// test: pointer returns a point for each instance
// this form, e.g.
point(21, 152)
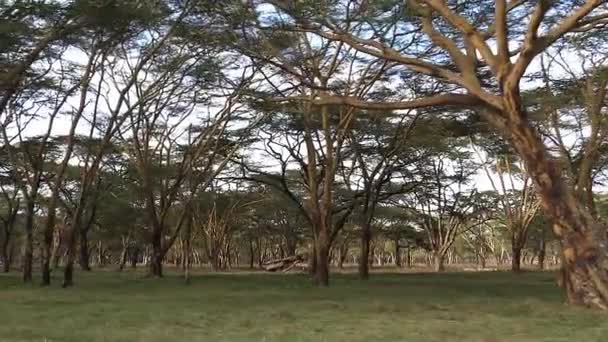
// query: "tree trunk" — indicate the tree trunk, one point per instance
point(84, 255)
point(11, 253)
point(134, 257)
point(343, 255)
point(100, 258)
point(583, 238)
point(366, 237)
point(397, 253)
point(438, 262)
point(187, 249)
point(6, 264)
point(516, 259)
point(251, 254)
point(56, 250)
point(68, 273)
point(123, 259)
point(28, 250)
point(321, 275)
point(312, 261)
point(541, 253)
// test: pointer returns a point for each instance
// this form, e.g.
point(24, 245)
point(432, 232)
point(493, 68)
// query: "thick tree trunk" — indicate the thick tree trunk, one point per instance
point(46, 266)
point(366, 237)
point(134, 257)
point(28, 248)
point(6, 265)
point(321, 275)
point(84, 256)
point(438, 262)
point(6, 262)
point(156, 263)
point(312, 261)
point(583, 238)
point(516, 259)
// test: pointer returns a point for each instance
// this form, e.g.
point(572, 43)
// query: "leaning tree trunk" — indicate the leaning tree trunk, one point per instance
point(123, 259)
point(583, 238)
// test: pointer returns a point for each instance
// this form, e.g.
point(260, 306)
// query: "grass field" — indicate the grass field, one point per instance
point(107, 306)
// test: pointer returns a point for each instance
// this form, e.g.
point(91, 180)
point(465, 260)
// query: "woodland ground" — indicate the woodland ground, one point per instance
point(109, 306)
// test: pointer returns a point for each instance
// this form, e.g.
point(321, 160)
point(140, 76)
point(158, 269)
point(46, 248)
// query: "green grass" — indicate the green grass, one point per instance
point(107, 306)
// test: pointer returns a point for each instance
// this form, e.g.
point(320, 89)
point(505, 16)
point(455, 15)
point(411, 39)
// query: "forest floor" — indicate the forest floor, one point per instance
point(483, 306)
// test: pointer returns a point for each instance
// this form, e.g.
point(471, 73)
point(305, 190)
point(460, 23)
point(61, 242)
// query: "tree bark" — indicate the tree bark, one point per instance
point(583, 238)
point(251, 254)
point(397, 253)
point(516, 259)
point(312, 261)
point(28, 250)
point(366, 237)
point(56, 251)
point(438, 262)
point(321, 274)
point(6, 266)
point(343, 255)
point(541, 253)
point(84, 256)
point(6, 262)
point(68, 272)
point(156, 260)
point(100, 258)
point(123, 259)
point(134, 256)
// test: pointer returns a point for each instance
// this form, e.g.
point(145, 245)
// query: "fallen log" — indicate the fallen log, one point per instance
point(284, 264)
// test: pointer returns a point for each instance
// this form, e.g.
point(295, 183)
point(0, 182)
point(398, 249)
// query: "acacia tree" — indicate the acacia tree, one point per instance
point(455, 45)
point(519, 206)
point(381, 155)
point(297, 66)
point(446, 208)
